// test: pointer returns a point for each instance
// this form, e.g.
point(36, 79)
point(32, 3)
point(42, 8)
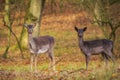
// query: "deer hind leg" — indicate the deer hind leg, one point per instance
point(105, 58)
point(110, 55)
point(52, 61)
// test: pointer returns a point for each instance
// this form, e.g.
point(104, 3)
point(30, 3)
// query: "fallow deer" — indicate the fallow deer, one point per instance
point(94, 47)
point(38, 45)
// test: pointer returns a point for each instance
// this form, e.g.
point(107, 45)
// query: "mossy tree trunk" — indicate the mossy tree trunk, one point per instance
point(100, 10)
point(7, 23)
point(33, 15)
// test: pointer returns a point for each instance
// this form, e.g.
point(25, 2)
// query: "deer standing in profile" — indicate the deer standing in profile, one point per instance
point(38, 45)
point(94, 47)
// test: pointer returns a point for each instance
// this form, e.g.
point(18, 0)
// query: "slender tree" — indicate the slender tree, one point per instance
point(100, 10)
point(7, 23)
point(33, 15)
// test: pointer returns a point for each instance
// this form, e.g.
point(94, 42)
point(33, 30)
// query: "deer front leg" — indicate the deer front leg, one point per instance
point(87, 61)
point(31, 63)
point(35, 65)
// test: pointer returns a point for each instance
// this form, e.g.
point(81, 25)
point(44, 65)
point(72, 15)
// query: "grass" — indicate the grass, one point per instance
point(67, 70)
point(71, 62)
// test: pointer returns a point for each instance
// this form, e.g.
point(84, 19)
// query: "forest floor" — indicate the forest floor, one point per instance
point(70, 62)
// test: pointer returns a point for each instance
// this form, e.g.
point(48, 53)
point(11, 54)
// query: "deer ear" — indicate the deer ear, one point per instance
point(25, 25)
point(85, 28)
point(76, 29)
point(34, 24)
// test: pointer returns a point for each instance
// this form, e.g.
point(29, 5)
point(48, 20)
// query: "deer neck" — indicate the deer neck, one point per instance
point(81, 42)
point(30, 38)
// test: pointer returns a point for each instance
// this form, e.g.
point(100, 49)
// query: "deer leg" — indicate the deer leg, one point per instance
point(31, 63)
point(35, 65)
point(105, 58)
point(52, 62)
point(111, 56)
point(87, 61)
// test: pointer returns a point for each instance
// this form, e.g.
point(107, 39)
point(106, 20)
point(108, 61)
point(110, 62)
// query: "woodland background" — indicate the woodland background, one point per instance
point(58, 18)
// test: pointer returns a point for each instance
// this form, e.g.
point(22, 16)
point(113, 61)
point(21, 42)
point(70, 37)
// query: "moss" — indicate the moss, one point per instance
point(30, 18)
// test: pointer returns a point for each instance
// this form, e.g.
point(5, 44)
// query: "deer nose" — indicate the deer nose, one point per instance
point(80, 35)
point(30, 31)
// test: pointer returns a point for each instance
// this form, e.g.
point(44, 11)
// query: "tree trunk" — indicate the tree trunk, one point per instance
point(100, 16)
point(33, 15)
point(7, 23)
point(98, 11)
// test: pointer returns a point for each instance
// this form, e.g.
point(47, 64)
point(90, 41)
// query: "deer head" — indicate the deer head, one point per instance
point(80, 31)
point(30, 27)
